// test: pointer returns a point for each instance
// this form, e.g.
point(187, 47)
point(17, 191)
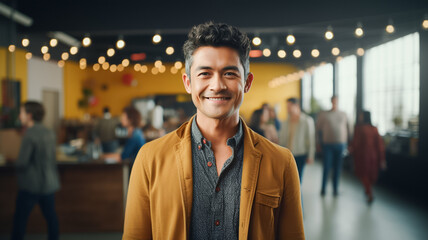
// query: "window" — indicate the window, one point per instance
point(306, 92)
point(391, 82)
point(323, 86)
point(347, 86)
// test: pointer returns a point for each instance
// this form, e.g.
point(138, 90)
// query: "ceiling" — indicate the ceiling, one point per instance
point(138, 21)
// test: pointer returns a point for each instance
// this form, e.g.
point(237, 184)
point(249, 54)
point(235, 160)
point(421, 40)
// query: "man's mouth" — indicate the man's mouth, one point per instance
point(217, 98)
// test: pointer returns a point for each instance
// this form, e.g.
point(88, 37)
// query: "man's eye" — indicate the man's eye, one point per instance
point(231, 74)
point(203, 74)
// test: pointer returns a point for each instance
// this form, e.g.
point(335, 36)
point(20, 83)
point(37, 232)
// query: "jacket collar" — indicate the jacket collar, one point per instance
point(250, 173)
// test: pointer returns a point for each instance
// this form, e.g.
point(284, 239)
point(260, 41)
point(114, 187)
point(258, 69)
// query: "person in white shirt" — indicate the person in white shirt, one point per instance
point(298, 134)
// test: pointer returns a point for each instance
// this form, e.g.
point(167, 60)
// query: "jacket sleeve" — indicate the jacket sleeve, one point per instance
point(290, 225)
point(25, 152)
point(137, 214)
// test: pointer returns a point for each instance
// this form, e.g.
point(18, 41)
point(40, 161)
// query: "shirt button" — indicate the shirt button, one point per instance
point(199, 147)
point(217, 222)
point(204, 141)
point(217, 189)
point(209, 164)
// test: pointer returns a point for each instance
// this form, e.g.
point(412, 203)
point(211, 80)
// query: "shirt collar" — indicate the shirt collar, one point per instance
point(198, 138)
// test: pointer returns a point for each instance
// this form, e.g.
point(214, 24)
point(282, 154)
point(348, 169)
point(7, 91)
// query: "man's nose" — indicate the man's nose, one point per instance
point(217, 83)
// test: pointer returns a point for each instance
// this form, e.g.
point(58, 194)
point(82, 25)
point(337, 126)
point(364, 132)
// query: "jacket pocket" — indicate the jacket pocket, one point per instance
point(270, 200)
point(262, 224)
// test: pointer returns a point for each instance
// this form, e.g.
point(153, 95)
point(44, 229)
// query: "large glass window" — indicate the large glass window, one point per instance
point(306, 92)
point(347, 86)
point(323, 86)
point(391, 82)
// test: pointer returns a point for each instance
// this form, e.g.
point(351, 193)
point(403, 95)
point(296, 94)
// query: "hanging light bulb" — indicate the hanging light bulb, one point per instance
point(96, 67)
point(315, 53)
point(155, 71)
point(291, 39)
point(11, 48)
point(113, 68)
point(267, 52)
point(158, 63)
point(335, 51)
point(157, 39)
point(169, 50)
point(360, 52)
point(28, 55)
point(425, 24)
point(25, 42)
point(257, 41)
point(53, 42)
point(120, 68)
point(359, 32)
point(178, 65)
point(174, 70)
point(44, 49)
point(46, 56)
point(101, 60)
point(137, 67)
point(390, 27)
point(64, 56)
point(110, 52)
point(120, 43)
point(61, 63)
point(329, 33)
point(144, 69)
point(86, 41)
point(125, 62)
point(82, 61)
point(297, 53)
point(282, 53)
point(105, 65)
point(74, 50)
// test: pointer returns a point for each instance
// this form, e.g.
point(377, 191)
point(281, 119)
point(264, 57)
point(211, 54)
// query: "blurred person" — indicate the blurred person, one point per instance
point(37, 172)
point(368, 151)
point(105, 132)
point(273, 119)
point(214, 177)
point(332, 128)
point(130, 119)
point(259, 124)
point(298, 134)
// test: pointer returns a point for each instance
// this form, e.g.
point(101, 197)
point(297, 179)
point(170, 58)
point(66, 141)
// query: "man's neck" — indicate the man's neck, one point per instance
point(217, 130)
point(29, 124)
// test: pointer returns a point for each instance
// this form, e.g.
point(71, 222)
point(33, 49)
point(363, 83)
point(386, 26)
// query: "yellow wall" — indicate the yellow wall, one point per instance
point(118, 95)
point(21, 72)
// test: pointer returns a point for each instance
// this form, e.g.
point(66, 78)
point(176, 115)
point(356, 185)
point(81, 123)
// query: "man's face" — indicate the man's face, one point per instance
point(24, 117)
point(217, 82)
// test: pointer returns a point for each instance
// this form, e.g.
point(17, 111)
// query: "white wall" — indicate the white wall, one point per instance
point(44, 75)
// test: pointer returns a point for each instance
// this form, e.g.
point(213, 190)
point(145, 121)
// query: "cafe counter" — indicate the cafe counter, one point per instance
point(91, 199)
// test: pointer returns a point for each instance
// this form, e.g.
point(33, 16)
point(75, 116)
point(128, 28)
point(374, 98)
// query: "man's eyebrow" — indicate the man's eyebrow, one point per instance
point(203, 67)
point(235, 68)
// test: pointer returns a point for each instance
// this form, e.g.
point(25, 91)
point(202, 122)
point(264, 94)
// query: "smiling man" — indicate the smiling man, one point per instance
point(214, 178)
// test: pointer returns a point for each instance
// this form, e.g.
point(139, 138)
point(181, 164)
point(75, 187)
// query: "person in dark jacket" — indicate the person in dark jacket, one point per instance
point(37, 172)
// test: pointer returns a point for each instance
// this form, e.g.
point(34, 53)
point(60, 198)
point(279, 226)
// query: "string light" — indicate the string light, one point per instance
point(110, 52)
point(169, 50)
point(359, 32)
point(297, 53)
point(174, 70)
point(120, 68)
point(120, 43)
point(390, 28)
point(105, 65)
point(125, 62)
point(11, 48)
point(162, 69)
point(28, 55)
point(46, 56)
point(282, 53)
point(266, 52)
point(291, 39)
point(96, 67)
point(335, 51)
point(53, 42)
point(315, 53)
point(137, 67)
point(61, 63)
point(158, 63)
point(157, 39)
point(87, 42)
point(113, 68)
point(178, 65)
point(257, 41)
point(360, 52)
point(329, 33)
point(155, 71)
point(83, 67)
point(425, 24)
point(74, 50)
point(44, 49)
point(64, 56)
point(25, 42)
point(101, 60)
point(82, 61)
point(144, 69)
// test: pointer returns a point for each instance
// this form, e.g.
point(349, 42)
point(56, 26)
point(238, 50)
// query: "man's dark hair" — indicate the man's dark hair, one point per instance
point(217, 35)
point(36, 110)
point(367, 119)
point(133, 116)
point(293, 100)
point(106, 109)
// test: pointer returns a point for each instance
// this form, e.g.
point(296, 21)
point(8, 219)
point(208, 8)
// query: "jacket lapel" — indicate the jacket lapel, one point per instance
point(183, 156)
point(250, 174)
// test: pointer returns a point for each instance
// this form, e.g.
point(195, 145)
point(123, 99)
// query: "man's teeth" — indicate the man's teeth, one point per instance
point(217, 98)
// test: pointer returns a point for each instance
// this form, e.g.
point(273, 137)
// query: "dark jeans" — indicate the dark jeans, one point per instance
point(24, 205)
point(301, 162)
point(333, 157)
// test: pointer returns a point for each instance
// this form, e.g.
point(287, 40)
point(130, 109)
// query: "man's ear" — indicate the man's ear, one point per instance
point(248, 82)
point(186, 82)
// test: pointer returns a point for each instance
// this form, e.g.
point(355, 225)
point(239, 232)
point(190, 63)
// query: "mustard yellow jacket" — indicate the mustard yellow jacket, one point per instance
point(159, 201)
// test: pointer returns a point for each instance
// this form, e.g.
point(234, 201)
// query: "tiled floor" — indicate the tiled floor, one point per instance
point(346, 217)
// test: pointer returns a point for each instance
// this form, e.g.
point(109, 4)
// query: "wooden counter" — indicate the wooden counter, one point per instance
point(91, 198)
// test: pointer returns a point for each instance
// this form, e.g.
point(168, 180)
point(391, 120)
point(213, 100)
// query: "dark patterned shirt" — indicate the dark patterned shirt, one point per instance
point(216, 199)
